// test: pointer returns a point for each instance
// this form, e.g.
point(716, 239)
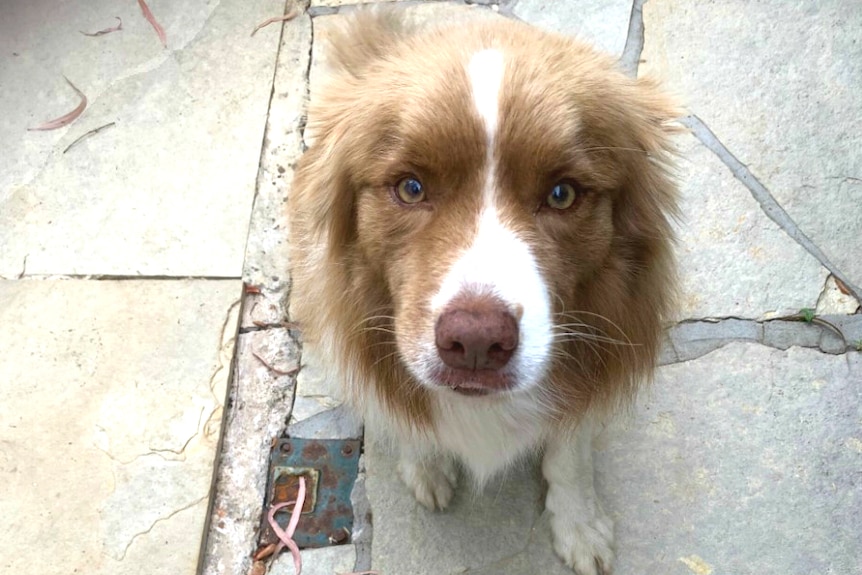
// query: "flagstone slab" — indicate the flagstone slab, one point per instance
point(162, 190)
point(780, 88)
point(111, 402)
point(734, 261)
point(602, 23)
point(744, 460)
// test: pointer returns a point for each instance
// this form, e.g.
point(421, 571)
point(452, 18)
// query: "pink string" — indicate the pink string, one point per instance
point(286, 536)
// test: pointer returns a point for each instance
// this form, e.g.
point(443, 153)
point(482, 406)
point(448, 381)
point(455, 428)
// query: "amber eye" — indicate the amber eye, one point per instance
point(410, 190)
point(562, 195)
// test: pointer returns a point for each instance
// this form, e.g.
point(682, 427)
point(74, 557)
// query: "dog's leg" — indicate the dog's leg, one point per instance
point(583, 534)
point(430, 476)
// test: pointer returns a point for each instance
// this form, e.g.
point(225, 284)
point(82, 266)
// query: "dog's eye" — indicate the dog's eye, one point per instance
point(410, 191)
point(563, 195)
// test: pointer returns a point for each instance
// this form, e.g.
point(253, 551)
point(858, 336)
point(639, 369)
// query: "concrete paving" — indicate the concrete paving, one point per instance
point(122, 261)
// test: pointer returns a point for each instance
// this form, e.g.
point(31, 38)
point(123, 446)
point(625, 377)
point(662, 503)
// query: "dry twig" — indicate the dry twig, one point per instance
point(116, 28)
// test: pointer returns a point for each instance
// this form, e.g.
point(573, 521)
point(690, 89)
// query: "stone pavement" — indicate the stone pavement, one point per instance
point(122, 260)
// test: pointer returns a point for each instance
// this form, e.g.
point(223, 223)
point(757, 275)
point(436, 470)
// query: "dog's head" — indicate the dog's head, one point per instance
point(493, 203)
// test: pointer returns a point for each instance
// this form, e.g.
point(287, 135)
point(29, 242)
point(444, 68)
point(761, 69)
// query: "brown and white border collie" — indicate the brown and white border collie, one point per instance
point(482, 249)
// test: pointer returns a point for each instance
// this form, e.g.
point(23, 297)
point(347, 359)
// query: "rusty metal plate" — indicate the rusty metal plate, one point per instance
point(329, 467)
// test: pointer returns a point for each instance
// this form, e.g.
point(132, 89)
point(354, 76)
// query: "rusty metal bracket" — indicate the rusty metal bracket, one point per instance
point(330, 467)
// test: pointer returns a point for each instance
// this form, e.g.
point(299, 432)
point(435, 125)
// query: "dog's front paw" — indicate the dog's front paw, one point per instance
point(431, 480)
point(585, 546)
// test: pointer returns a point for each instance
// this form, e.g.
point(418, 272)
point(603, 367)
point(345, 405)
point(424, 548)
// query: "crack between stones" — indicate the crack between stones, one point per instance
point(760, 339)
point(631, 56)
point(761, 194)
point(160, 520)
point(264, 136)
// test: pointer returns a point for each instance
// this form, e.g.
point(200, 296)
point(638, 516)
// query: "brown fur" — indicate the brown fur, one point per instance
point(399, 103)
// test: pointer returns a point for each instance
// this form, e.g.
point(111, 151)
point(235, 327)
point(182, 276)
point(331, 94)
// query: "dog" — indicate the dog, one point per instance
point(481, 240)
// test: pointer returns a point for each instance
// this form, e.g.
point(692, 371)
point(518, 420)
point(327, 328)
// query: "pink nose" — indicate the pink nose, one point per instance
point(476, 334)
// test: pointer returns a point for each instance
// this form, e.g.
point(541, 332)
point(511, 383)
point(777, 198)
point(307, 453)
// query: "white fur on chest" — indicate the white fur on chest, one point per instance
point(487, 435)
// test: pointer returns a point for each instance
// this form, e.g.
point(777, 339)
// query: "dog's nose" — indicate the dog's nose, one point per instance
point(476, 334)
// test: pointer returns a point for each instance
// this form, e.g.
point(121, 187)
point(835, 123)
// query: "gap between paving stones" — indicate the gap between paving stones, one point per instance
point(693, 338)
point(630, 59)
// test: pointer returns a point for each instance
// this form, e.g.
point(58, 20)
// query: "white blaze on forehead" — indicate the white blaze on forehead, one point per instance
point(501, 264)
point(486, 76)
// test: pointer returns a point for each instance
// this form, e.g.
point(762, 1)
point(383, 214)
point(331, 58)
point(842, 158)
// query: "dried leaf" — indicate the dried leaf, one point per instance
point(116, 28)
point(65, 119)
point(152, 20)
point(289, 16)
point(264, 551)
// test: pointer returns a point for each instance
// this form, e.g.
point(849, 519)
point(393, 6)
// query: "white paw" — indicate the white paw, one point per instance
point(585, 546)
point(432, 481)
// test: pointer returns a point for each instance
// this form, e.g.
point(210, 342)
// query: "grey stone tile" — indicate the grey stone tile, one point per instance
point(779, 87)
point(602, 23)
point(161, 192)
point(480, 530)
point(744, 460)
point(336, 423)
point(734, 261)
point(323, 561)
point(112, 411)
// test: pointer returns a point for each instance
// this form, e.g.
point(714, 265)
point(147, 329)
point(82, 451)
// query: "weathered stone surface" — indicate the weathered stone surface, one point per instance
point(111, 417)
point(489, 530)
point(323, 561)
point(745, 460)
point(779, 87)
point(260, 401)
point(735, 261)
point(834, 301)
point(363, 527)
point(159, 193)
point(266, 257)
point(602, 23)
point(336, 423)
